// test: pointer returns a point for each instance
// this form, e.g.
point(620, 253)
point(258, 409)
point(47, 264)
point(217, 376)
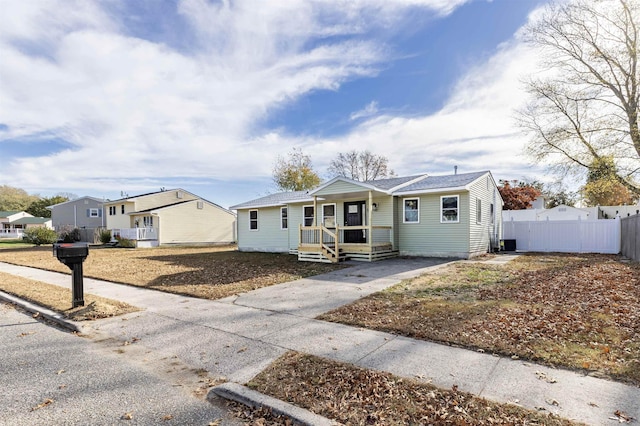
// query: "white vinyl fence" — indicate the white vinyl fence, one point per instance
point(566, 236)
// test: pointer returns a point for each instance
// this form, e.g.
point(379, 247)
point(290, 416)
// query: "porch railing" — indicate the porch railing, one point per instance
point(11, 233)
point(367, 235)
point(137, 234)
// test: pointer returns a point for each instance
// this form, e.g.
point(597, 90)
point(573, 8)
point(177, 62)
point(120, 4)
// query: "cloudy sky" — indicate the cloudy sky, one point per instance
point(99, 97)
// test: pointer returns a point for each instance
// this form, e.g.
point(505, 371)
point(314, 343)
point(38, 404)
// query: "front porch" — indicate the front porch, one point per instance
point(143, 237)
point(332, 245)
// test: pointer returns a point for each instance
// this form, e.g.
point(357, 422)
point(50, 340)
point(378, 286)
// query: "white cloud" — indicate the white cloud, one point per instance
point(136, 111)
point(370, 109)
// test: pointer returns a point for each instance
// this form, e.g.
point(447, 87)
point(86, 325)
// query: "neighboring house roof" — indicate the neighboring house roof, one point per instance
point(162, 207)
point(133, 199)
point(97, 200)
point(9, 213)
point(31, 221)
point(393, 186)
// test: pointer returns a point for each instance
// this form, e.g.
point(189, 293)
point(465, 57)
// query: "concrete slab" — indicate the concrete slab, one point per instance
point(222, 354)
point(239, 320)
point(441, 365)
point(568, 394)
point(329, 340)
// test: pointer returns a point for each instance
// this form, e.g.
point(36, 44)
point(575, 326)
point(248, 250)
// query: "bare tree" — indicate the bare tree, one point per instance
point(584, 107)
point(361, 166)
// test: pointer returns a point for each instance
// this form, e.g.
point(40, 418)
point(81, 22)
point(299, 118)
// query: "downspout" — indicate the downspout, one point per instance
point(75, 216)
point(370, 220)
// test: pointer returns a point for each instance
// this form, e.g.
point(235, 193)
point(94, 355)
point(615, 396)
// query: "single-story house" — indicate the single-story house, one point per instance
point(171, 216)
point(457, 215)
point(84, 212)
point(13, 223)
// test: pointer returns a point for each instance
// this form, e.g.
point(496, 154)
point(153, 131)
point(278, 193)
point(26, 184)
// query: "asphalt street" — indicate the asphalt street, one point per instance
point(53, 377)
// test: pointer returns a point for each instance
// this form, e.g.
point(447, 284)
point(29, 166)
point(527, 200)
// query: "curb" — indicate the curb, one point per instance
point(251, 398)
point(46, 313)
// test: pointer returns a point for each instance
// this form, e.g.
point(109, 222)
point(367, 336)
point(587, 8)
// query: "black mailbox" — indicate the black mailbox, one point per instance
point(72, 255)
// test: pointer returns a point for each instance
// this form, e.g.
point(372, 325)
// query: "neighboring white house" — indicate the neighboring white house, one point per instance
point(13, 223)
point(171, 216)
point(563, 212)
point(445, 216)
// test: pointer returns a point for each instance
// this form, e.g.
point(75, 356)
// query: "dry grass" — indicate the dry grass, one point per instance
point(205, 272)
point(356, 396)
point(575, 311)
point(59, 299)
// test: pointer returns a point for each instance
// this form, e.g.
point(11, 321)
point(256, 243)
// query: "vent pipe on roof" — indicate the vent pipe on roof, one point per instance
point(455, 170)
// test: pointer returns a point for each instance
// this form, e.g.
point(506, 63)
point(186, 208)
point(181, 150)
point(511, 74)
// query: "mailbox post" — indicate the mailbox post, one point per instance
point(72, 255)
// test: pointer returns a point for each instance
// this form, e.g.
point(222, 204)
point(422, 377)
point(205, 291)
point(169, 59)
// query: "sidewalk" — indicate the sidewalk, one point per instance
point(237, 337)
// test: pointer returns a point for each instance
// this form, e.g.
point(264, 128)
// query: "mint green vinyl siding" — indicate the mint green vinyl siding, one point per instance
point(268, 237)
point(481, 234)
point(340, 187)
point(429, 237)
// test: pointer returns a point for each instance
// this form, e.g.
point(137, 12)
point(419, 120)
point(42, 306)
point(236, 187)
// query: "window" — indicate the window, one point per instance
point(307, 212)
point(449, 208)
point(112, 210)
point(147, 221)
point(122, 208)
point(492, 213)
point(93, 212)
point(329, 215)
point(411, 210)
point(284, 218)
point(253, 220)
point(478, 210)
point(200, 204)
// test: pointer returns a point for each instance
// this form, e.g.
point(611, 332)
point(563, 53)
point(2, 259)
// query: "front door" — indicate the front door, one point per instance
point(353, 216)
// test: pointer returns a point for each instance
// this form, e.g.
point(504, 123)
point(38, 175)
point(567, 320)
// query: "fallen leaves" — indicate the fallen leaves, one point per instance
point(43, 404)
point(127, 416)
point(543, 376)
point(622, 417)
point(352, 395)
point(578, 311)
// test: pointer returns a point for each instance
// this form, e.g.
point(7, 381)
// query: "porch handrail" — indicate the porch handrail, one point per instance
point(332, 238)
point(315, 234)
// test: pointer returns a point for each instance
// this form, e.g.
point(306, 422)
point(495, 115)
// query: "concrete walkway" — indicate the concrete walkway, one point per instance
point(238, 336)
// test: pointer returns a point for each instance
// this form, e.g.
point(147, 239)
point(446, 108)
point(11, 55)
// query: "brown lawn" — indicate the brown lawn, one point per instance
point(575, 311)
point(205, 272)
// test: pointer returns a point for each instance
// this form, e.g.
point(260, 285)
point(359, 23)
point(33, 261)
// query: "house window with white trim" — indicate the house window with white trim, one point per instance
point(112, 210)
point(284, 218)
point(253, 220)
point(148, 221)
point(449, 209)
point(93, 212)
point(411, 210)
point(307, 213)
point(478, 210)
point(122, 208)
point(329, 215)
